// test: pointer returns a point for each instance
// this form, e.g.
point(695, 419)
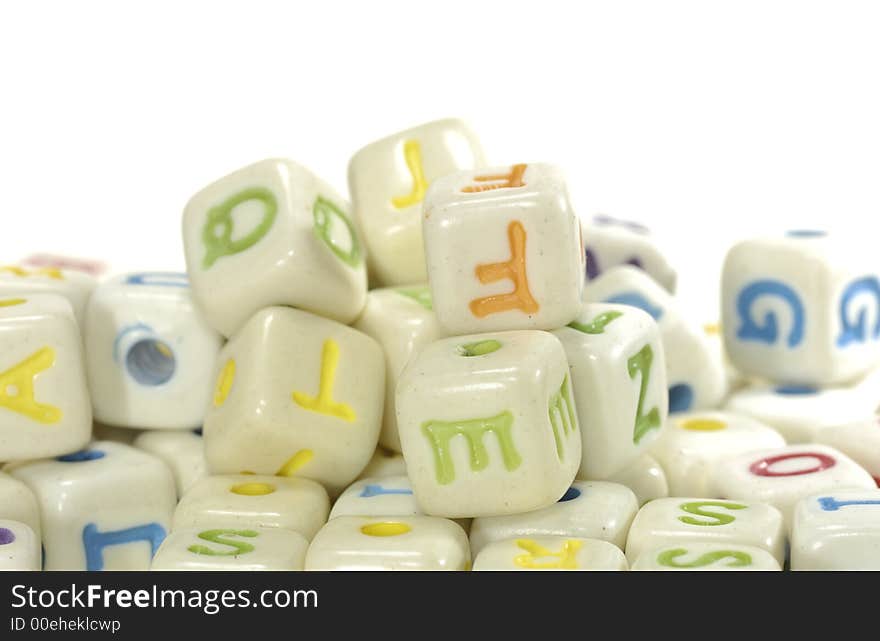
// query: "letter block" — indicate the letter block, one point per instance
point(149, 353)
point(504, 250)
point(590, 510)
point(402, 321)
point(618, 375)
point(645, 477)
point(837, 530)
point(692, 556)
point(384, 463)
point(488, 424)
point(231, 549)
point(296, 394)
point(23, 282)
point(250, 500)
point(18, 503)
point(694, 371)
point(107, 507)
point(44, 399)
point(611, 242)
point(784, 475)
point(693, 443)
point(550, 553)
point(801, 413)
point(387, 496)
point(681, 521)
point(388, 180)
point(269, 234)
point(801, 309)
point(392, 543)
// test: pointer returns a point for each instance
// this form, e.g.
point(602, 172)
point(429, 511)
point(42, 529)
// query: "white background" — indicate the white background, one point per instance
point(708, 121)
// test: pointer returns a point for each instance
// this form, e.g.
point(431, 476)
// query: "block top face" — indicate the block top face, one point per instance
point(840, 509)
point(388, 496)
point(553, 553)
point(149, 284)
point(805, 247)
point(43, 278)
point(407, 304)
point(712, 557)
point(627, 285)
point(468, 360)
point(524, 186)
point(608, 327)
point(719, 430)
point(418, 156)
point(28, 308)
point(101, 461)
point(263, 206)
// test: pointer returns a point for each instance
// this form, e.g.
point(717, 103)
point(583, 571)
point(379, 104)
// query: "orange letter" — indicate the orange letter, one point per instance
point(515, 270)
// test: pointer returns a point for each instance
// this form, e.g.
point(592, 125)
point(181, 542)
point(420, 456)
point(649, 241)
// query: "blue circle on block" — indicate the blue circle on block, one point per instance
point(806, 233)
point(796, 390)
point(570, 494)
point(681, 398)
point(81, 456)
point(7, 536)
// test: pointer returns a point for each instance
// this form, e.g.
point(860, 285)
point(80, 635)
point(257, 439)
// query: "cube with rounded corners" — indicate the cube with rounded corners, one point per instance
point(19, 547)
point(504, 250)
point(296, 394)
point(691, 556)
point(388, 180)
point(25, 281)
point(488, 424)
point(272, 233)
point(530, 553)
point(231, 549)
point(182, 451)
point(149, 351)
point(44, 398)
point(107, 507)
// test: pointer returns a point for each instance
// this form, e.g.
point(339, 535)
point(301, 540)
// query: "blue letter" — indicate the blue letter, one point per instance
point(635, 299)
point(768, 332)
point(857, 332)
point(95, 542)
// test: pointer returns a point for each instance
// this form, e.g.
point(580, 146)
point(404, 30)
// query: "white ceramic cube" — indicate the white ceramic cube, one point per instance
point(837, 530)
point(388, 180)
point(679, 521)
point(859, 440)
point(402, 321)
point(19, 547)
point(609, 242)
point(269, 234)
point(296, 394)
point(182, 451)
point(393, 543)
point(44, 400)
point(23, 282)
point(589, 510)
point(782, 476)
point(645, 477)
point(694, 442)
point(231, 549)
point(549, 553)
point(384, 463)
point(386, 496)
point(244, 500)
point(107, 507)
point(801, 412)
point(618, 377)
point(801, 309)
point(488, 424)
point(694, 371)
point(149, 353)
point(18, 503)
point(694, 556)
point(504, 250)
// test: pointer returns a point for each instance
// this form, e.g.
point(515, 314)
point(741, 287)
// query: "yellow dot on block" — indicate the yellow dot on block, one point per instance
point(391, 528)
point(224, 383)
point(295, 462)
point(252, 489)
point(712, 328)
point(9, 302)
point(702, 425)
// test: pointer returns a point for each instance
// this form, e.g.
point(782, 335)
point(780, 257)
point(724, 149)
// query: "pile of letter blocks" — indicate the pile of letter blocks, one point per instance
point(452, 371)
